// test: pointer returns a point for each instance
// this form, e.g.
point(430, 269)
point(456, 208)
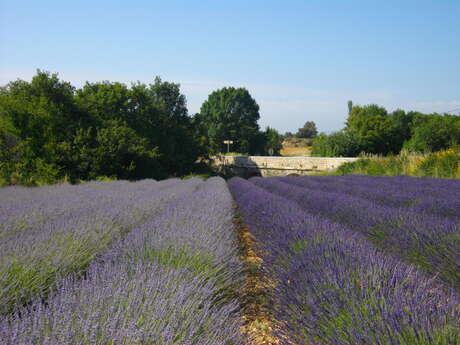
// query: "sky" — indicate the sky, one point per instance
point(300, 60)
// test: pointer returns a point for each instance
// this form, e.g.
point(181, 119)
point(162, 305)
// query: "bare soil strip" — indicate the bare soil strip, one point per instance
point(258, 323)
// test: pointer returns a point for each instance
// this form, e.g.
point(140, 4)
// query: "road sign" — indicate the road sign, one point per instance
point(228, 142)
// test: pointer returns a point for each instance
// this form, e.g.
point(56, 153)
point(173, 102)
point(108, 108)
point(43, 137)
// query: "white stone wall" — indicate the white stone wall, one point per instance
point(284, 163)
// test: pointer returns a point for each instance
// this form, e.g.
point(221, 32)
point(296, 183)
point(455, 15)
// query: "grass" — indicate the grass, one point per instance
point(442, 164)
point(203, 176)
point(295, 151)
point(236, 154)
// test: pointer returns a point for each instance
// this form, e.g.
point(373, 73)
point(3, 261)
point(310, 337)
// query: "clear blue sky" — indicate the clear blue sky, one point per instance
point(301, 60)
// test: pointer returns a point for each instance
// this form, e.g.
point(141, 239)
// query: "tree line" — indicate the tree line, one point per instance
point(51, 130)
point(372, 129)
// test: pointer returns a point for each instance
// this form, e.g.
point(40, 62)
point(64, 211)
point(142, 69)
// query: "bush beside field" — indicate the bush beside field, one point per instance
point(442, 164)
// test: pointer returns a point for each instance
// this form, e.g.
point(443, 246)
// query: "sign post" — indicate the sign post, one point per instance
point(228, 142)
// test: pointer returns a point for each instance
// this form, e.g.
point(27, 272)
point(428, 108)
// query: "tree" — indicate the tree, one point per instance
point(228, 114)
point(156, 112)
point(9, 148)
point(121, 152)
point(114, 150)
point(350, 107)
point(105, 101)
point(172, 129)
point(259, 144)
point(41, 114)
point(373, 128)
point(337, 144)
point(308, 130)
point(49, 130)
point(434, 132)
point(402, 128)
point(273, 141)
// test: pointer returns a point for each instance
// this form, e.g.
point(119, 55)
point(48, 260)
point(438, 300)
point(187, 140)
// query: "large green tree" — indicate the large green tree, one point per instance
point(273, 140)
point(171, 128)
point(156, 112)
point(44, 115)
point(337, 144)
point(229, 114)
point(49, 130)
point(434, 132)
point(402, 123)
point(308, 130)
point(373, 128)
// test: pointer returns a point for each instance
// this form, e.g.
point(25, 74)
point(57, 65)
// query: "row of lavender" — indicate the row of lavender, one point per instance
point(331, 285)
point(120, 263)
point(429, 241)
point(49, 232)
point(424, 195)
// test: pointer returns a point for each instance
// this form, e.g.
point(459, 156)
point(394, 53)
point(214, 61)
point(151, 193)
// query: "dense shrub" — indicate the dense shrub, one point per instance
point(443, 164)
point(434, 132)
point(50, 131)
point(337, 144)
point(371, 129)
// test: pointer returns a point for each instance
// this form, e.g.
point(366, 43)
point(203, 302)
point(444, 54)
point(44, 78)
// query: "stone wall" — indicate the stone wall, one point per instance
point(277, 166)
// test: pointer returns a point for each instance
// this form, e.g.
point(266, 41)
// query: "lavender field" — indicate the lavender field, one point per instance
point(358, 260)
point(120, 263)
point(353, 260)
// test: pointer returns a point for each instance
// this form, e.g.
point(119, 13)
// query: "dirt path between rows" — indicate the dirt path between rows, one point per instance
point(258, 323)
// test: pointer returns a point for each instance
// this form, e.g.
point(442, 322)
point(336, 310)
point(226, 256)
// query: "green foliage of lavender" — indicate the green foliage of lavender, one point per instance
point(332, 286)
point(171, 278)
point(50, 232)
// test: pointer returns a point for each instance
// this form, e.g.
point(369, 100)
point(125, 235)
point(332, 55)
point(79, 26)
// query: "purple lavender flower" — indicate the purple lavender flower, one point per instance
point(171, 279)
point(429, 241)
point(332, 286)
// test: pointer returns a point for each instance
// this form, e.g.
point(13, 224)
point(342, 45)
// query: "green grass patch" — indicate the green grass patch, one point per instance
point(442, 164)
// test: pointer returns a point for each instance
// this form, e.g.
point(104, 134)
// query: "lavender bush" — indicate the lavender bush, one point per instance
point(333, 287)
point(69, 234)
point(173, 279)
point(428, 241)
point(417, 194)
